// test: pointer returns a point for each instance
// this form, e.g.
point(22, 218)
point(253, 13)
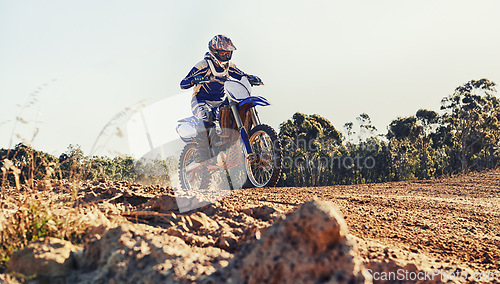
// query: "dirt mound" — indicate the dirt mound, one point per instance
point(310, 245)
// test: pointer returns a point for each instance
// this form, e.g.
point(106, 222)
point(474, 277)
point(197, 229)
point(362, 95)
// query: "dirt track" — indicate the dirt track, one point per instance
point(449, 224)
point(455, 221)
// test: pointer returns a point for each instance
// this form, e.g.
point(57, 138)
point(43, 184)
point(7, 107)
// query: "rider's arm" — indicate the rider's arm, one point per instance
point(199, 69)
point(187, 82)
point(237, 74)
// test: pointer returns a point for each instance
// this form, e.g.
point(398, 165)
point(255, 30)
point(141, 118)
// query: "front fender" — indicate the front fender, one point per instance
point(255, 100)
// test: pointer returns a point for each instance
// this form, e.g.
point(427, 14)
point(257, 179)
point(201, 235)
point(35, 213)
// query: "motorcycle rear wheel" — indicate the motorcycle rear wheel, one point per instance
point(197, 178)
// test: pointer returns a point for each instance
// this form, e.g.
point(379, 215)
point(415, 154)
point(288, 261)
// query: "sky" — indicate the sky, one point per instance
point(77, 72)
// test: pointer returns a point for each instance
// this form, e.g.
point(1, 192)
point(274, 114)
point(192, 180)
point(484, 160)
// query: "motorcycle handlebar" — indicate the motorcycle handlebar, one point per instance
point(224, 79)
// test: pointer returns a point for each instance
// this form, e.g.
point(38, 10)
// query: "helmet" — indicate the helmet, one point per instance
point(221, 48)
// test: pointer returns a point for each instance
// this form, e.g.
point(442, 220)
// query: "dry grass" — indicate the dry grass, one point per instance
point(49, 208)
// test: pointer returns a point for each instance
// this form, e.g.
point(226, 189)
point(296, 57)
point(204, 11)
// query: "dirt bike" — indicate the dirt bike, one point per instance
point(243, 151)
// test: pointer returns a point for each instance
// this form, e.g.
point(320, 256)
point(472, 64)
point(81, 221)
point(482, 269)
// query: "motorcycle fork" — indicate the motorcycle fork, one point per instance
point(211, 133)
point(254, 116)
point(241, 128)
point(256, 121)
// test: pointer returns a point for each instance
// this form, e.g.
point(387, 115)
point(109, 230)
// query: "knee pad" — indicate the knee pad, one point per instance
point(203, 112)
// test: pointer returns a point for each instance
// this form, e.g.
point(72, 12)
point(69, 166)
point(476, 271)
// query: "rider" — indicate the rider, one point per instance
point(208, 93)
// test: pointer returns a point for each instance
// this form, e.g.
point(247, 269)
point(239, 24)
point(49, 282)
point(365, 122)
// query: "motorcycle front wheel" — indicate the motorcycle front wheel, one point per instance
point(264, 165)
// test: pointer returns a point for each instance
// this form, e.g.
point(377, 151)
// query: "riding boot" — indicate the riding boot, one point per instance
point(203, 145)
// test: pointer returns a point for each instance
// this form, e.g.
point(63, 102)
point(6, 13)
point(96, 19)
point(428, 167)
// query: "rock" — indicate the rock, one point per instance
point(227, 241)
point(264, 213)
point(7, 279)
point(201, 221)
point(188, 203)
point(309, 246)
point(43, 184)
point(49, 257)
point(126, 255)
point(163, 204)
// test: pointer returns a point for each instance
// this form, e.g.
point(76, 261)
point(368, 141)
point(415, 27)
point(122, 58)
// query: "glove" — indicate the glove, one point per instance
point(254, 80)
point(199, 79)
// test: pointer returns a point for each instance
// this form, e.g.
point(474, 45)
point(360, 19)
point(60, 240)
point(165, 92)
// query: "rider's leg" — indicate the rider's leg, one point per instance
point(204, 113)
point(203, 144)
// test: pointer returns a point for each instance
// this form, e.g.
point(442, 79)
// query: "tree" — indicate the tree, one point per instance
point(308, 141)
point(33, 164)
point(471, 113)
point(366, 129)
point(71, 162)
point(403, 134)
point(363, 143)
point(426, 119)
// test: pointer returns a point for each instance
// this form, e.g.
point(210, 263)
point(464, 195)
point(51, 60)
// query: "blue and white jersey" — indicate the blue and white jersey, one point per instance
point(213, 90)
